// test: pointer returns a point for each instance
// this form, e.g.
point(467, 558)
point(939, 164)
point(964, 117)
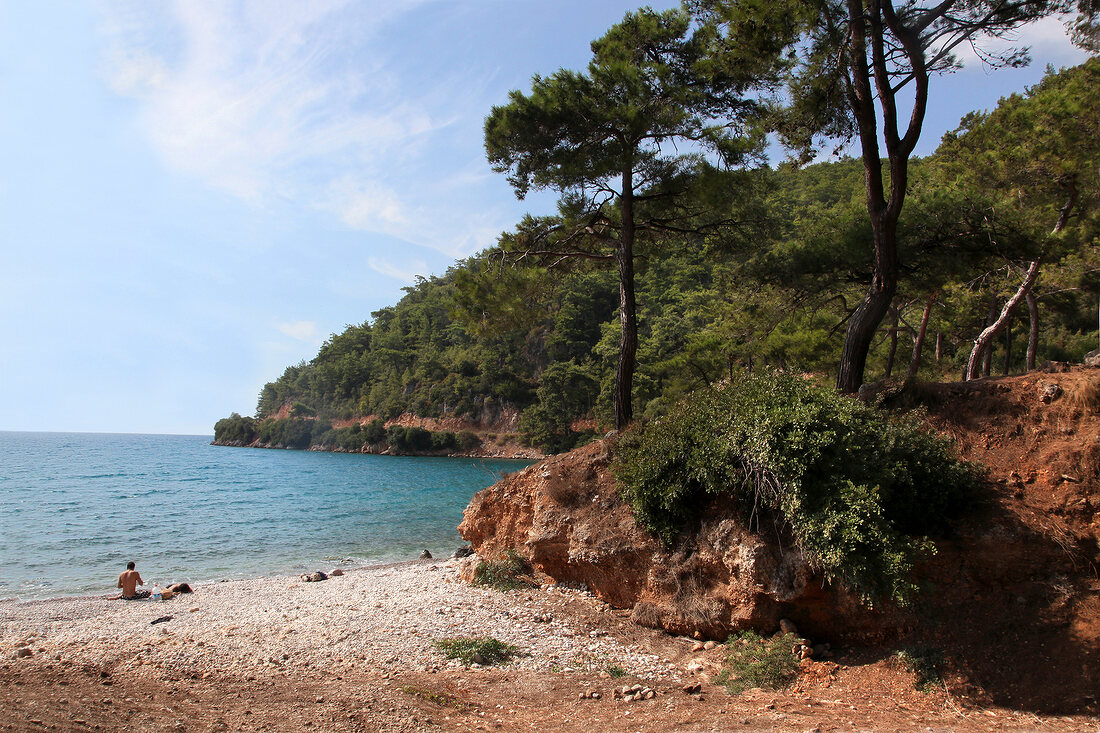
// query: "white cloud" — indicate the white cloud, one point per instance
point(366, 205)
point(1045, 38)
point(300, 330)
point(406, 274)
point(299, 102)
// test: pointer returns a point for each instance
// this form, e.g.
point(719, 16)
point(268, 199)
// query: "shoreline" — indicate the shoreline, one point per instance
point(387, 616)
point(358, 652)
point(505, 454)
point(206, 583)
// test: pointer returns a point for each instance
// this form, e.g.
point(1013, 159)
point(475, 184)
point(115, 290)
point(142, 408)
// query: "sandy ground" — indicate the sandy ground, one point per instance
point(358, 653)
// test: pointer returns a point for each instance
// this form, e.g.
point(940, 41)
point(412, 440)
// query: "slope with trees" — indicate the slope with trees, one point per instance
point(503, 338)
point(855, 68)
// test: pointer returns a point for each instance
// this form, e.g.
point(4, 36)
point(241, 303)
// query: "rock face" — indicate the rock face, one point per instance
point(1019, 570)
point(565, 516)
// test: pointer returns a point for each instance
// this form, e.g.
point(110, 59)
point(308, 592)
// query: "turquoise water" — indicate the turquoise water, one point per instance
point(74, 507)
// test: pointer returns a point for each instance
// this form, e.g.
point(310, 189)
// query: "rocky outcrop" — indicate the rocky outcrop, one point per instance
point(565, 516)
point(1021, 572)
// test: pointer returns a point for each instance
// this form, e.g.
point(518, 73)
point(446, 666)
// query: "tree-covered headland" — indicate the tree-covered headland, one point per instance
point(678, 257)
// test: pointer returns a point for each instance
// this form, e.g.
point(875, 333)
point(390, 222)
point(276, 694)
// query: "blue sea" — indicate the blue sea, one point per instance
point(75, 507)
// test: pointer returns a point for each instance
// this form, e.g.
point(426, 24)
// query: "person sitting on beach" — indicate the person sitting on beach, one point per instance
point(129, 581)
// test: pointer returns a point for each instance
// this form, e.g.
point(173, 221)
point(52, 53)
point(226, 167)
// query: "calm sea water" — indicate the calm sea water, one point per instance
point(74, 507)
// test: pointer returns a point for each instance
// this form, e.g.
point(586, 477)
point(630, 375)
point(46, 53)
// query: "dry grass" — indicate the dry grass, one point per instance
point(1086, 396)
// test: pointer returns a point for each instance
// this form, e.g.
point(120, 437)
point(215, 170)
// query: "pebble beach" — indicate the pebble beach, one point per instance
point(358, 652)
point(387, 618)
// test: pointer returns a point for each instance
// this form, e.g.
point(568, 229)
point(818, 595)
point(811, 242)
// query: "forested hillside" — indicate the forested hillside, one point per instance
point(768, 276)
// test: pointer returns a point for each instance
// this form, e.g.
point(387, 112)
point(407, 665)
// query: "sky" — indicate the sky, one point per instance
point(195, 194)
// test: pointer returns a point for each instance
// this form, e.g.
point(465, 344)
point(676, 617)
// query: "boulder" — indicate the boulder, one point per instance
point(425, 555)
point(1049, 391)
point(1092, 358)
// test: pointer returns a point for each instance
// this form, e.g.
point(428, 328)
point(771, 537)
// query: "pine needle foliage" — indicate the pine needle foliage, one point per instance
point(860, 491)
point(758, 662)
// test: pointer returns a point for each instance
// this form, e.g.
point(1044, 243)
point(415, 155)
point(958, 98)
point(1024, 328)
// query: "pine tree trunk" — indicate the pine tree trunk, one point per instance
point(918, 343)
point(1033, 329)
point(628, 318)
point(984, 339)
point(869, 313)
point(987, 355)
point(982, 350)
point(893, 341)
point(1008, 346)
point(939, 346)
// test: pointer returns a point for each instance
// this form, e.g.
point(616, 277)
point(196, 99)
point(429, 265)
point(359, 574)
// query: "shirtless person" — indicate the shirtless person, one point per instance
point(129, 581)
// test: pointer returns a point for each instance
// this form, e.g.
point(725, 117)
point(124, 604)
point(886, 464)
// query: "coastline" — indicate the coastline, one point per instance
point(357, 652)
point(202, 583)
point(387, 616)
point(507, 453)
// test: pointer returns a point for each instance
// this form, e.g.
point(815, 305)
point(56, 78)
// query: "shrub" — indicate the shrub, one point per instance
point(408, 440)
point(349, 438)
point(758, 662)
point(301, 409)
point(858, 491)
point(923, 661)
point(443, 440)
point(467, 440)
point(477, 651)
point(235, 429)
point(503, 574)
point(289, 433)
point(374, 432)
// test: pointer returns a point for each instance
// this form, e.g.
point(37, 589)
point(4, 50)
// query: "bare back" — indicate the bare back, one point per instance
point(128, 582)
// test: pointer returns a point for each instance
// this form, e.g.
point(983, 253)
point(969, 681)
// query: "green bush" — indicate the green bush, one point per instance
point(408, 440)
point(758, 662)
point(503, 574)
point(477, 651)
point(301, 409)
point(923, 661)
point(235, 429)
point(286, 433)
point(467, 440)
point(374, 432)
point(860, 491)
point(443, 440)
point(350, 439)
